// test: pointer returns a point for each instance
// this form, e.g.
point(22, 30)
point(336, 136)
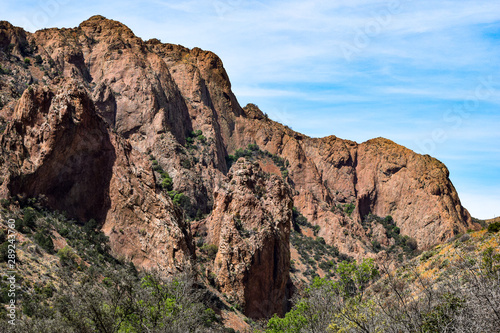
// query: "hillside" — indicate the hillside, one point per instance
point(453, 287)
point(148, 140)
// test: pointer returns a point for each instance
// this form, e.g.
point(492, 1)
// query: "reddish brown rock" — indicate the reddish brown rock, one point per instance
point(57, 146)
point(250, 224)
point(378, 177)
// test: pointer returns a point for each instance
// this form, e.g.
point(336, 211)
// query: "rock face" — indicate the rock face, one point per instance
point(377, 176)
point(57, 146)
point(103, 106)
point(250, 225)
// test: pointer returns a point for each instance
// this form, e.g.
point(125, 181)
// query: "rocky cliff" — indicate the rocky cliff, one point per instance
point(250, 224)
point(138, 135)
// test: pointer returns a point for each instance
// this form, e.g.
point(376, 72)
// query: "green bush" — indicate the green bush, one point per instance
point(4, 252)
point(349, 208)
point(29, 217)
point(494, 227)
point(193, 136)
point(376, 245)
point(183, 201)
point(27, 61)
point(186, 164)
point(426, 255)
point(210, 250)
point(201, 138)
point(316, 229)
point(299, 220)
point(166, 181)
point(118, 301)
point(28, 221)
point(42, 238)
point(66, 256)
point(253, 147)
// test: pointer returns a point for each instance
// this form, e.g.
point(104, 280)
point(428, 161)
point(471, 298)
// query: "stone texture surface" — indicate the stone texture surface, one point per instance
point(57, 146)
point(250, 225)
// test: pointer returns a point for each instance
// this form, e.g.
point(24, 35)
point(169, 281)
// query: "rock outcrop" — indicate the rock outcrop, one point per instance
point(57, 146)
point(377, 176)
point(250, 225)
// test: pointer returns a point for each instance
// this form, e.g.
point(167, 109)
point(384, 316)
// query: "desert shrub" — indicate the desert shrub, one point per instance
point(253, 147)
point(494, 227)
point(183, 201)
point(27, 223)
point(122, 302)
point(29, 217)
point(376, 245)
point(299, 220)
point(409, 244)
point(349, 208)
point(210, 250)
point(327, 265)
point(166, 181)
point(195, 136)
point(201, 138)
point(331, 305)
point(4, 252)
point(316, 229)
point(42, 238)
point(426, 255)
point(186, 164)
point(66, 256)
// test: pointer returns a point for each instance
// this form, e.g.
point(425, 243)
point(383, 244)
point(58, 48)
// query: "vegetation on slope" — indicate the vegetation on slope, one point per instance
point(253, 152)
point(68, 282)
point(315, 257)
point(453, 288)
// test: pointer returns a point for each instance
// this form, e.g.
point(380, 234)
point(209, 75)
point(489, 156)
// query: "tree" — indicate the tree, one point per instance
point(332, 305)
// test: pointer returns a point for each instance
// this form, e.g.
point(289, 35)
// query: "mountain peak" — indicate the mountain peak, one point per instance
point(97, 23)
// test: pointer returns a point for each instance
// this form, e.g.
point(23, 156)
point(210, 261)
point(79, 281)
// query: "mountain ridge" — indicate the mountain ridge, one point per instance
point(163, 111)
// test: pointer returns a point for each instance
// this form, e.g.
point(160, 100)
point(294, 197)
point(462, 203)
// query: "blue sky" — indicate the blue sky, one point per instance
point(425, 74)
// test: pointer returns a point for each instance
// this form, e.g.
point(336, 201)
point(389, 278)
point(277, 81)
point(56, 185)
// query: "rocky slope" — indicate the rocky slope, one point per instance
point(97, 120)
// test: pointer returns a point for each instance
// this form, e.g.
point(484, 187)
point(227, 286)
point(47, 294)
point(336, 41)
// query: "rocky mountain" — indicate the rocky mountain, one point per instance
point(141, 135)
